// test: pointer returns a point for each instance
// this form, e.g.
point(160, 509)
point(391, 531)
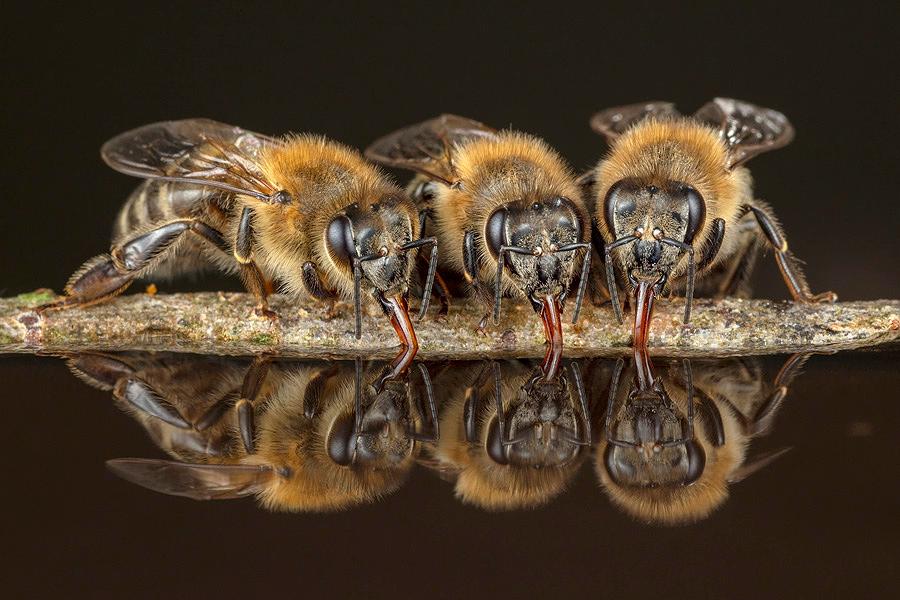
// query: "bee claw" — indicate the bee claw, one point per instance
point(261, 311)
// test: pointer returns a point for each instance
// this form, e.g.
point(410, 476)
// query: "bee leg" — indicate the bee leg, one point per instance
point(312, 281)
point(787, 262)
point(250, 391)
point(250, 274)
point(443, 293)
point(108, 275)
point(481, 293)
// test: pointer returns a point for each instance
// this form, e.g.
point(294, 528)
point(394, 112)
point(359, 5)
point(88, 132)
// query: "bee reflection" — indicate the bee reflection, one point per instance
point(673, 442)
point(310, 436)
point(510, 438)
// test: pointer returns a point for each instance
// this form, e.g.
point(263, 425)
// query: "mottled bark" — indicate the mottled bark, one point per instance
point(224, 323)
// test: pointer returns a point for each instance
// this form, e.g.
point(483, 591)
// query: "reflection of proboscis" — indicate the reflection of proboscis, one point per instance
point(673, 441)
point(509, 437)
point(298, 436)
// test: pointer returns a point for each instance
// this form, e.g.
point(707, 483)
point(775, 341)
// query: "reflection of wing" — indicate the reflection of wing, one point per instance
point(426, 147)
point(746, 129)
point(613, 122)
point(443, 470)
point(199, 482)
point(197, 151)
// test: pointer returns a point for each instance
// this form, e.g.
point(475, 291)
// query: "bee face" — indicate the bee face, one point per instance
point(541, 431)
point(376, 437)
point(541, 227)
point(374, 235)
point(656, 214)
point(650, 448)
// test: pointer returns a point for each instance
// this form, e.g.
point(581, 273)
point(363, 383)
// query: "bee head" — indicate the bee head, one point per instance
point(375, 434)
point(661, 217)
point(535, 237)
point(374, 235)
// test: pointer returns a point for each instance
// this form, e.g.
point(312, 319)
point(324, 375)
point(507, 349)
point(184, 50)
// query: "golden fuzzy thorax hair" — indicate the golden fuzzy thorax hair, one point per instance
point(492, 172)
point(322, 177)
point(656, 151)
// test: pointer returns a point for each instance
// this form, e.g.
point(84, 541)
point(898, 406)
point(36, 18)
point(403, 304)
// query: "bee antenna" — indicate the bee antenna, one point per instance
point(611, 275)
point(357, 303)
point(498, 285)
point(582, 280)
point(429, 280)
point(691, 276)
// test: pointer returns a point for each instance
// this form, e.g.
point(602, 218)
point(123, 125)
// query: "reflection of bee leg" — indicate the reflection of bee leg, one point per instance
point(762, 420)
point(473, 399)
point(250, 389)
point(787, 262)
point(314, 389)
point(107, 372)
point(482, 294)
point(109, 275)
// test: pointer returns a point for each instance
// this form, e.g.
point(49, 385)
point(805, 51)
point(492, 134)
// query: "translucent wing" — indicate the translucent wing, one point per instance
point(197, 151)
point(613, 122)
point(196, 481)
point(745, 128)
point(427, 146)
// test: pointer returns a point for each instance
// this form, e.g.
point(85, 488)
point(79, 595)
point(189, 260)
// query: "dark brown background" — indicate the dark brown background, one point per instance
point(821, 524)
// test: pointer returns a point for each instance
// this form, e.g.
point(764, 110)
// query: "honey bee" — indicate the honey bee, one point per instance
point(324, 439)
point(513, 441)
point(673, 443)
point(673, 202)
point(508, 213)
point(303, 210)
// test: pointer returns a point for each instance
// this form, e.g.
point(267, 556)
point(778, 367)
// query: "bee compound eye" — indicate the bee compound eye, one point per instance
point(619, 468)
point(341, 441)
point(617, 202)
point(339, 238)
point(495, 231)
point(696, 213)
point(494, 443)
point(696, 462)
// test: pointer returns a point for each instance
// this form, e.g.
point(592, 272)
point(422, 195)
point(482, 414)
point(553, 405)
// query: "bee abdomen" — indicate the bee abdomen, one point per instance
point(158, 201)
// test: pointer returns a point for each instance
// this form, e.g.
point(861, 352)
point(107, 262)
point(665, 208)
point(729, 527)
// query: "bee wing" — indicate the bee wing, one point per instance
point(613, 122)
point(196, 481)
point(745, 128)
point(427, 146)
point(199, 151)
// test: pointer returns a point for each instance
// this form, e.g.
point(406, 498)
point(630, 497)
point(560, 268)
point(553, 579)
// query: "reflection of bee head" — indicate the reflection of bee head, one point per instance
point(324, 440)
point(518, 449)
point(354, 450)
point(670, 450)
point(499, 200)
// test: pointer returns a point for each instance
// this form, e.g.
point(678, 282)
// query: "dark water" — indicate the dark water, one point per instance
point(782, 483)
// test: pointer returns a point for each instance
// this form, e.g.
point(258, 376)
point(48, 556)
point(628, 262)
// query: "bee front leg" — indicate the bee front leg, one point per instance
point(787, 263)
point(250, 274)
point(482, 294)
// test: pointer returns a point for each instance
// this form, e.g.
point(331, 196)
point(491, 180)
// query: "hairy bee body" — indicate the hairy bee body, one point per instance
point(511, 168)
point(656, 152)
point(324, 178)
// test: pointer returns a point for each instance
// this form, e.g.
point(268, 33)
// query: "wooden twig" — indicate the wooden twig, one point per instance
point(223, 323)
